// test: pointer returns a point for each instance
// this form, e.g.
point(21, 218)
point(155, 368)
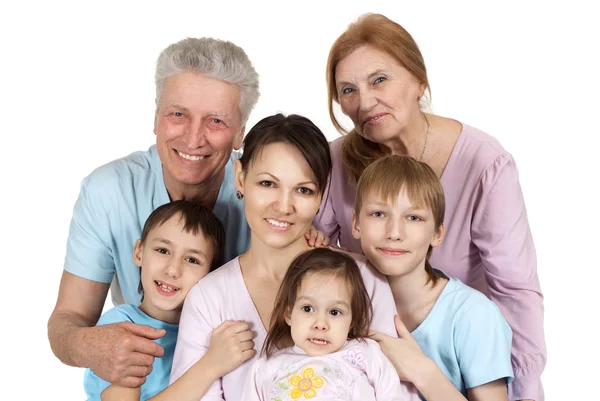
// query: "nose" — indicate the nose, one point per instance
point(395, 230)
point(321, 322)
point(196, 135)
point(285, 202)
point(173, 269)
point(368, 100)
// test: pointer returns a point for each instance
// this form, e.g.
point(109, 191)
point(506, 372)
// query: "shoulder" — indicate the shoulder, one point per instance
point(480, 150)
point(368, 271)
point(214, 285)
point(120, 313)
point(471, 306)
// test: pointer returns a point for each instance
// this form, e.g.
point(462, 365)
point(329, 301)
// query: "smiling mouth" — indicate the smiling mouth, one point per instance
point(165, 287)
point(318, 341)
point(393, 252)
point(374, 119)
point(190, 157)
point(277, 223)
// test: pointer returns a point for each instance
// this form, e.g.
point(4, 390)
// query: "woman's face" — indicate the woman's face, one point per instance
point(281, 195)
point(379, 95)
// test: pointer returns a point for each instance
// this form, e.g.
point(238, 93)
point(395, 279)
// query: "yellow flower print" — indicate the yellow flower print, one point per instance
point(306, 385)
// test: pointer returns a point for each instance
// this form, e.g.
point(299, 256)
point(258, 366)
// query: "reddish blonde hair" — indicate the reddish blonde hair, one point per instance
point(323, 261)
point(391, 175)
point(382, 33)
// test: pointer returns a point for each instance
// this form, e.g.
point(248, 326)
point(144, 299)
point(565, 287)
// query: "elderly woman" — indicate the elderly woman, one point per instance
point(377, 75)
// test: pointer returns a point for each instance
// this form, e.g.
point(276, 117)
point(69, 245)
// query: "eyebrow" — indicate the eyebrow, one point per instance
point(371, 75)
point(212, 114)
point(167, 242)
point(277, 179)
point(336, 302)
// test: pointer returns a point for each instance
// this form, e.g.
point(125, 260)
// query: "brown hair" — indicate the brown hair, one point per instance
point(318, 260)
point(295, 130)
point(377, 31)
point(196, 218)
point(390, 175)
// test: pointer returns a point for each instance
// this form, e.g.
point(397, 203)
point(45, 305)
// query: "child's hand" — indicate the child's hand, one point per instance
point(404, 352)
point(230, 345)
point(316, 238)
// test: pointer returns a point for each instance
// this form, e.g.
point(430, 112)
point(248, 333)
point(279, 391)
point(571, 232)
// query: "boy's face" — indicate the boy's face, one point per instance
point(395, 235)
point(321, 317)
point(172, 262)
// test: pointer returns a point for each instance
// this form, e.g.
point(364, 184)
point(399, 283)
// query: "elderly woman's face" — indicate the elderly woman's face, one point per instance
point(379, 95)
point(197, 124)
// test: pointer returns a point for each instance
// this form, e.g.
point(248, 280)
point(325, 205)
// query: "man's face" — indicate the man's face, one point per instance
point(197, 124)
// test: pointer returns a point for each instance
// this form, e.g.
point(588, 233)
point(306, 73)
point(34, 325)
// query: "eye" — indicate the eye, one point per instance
point(162, 250)
point(178, 114)
point(307, 308)
point(377, 214)
point(217, 121)
point(379, 80)
point(335, 312)
point(193, 260)
point(305, 191)
point(267, 183)
point(414, 218)
point(347, 90)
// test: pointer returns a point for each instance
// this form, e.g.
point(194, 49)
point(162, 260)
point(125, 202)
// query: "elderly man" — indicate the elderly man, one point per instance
point(205, 90)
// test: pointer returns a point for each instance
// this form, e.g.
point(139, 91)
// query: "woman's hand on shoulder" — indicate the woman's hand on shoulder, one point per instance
point(316, 238)
point(231, 344)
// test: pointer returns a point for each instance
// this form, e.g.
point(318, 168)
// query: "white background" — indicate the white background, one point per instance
point(76, 91)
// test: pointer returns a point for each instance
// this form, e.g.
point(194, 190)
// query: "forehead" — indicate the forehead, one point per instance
point(394, 199)
point(198, 92)
point(282, 160)
point(325, 286)
point(364, 61)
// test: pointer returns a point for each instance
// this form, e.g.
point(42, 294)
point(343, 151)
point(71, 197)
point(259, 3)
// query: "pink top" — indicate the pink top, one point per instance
point(488, 243)
point(357, 372)
point(222, 295)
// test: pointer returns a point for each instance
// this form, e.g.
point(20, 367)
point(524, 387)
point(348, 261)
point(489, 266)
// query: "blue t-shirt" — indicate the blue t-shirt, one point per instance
point(158, 379)
point(466, 335)
point(114, 202)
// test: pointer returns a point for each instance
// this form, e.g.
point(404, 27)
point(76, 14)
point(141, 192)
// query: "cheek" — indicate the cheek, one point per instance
point(221, 140)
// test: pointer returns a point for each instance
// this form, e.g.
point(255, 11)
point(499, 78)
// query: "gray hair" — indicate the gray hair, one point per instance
point(214, 58)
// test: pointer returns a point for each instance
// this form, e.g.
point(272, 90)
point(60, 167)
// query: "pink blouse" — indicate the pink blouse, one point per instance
point(487, 244)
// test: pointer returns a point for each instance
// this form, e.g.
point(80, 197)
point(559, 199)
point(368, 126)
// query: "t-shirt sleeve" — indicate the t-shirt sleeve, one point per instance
point(384, 378)
point(193, 339)
point(382, 300)
point(88, 253)
point(483, 341)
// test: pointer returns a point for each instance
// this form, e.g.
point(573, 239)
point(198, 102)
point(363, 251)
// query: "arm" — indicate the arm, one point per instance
point(382, 299)
point(122, 352)
point(384, 378)
point(118, 393)
point(325, 221)
point(252, 388)
point(413, 366)
point(230, 345)
point(500, 231)
point(494, 391)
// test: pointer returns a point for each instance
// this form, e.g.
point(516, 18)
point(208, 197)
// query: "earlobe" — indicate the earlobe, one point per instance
point(288, 318)
point(238, 174)
point(237, 144)
point(355, 227)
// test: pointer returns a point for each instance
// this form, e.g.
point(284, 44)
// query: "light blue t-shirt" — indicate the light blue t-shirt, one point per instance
point(114, 202)
point(158, 379)
point(466, 335)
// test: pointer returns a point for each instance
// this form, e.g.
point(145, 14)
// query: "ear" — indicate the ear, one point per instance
point(355, 226)
point(238, 176)
point(288, 317)
point(421, 91)
point(237, 142)
point(138, 250)
point(439, 236)
point(156, 122)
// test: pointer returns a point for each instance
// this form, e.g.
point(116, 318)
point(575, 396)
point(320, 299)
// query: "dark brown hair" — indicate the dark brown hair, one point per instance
point(318, 260)
point(390, 175)
point(382, 33)
point(294, 130)
point(196, 218)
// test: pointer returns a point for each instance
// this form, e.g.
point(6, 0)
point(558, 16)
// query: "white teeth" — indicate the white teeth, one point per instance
point(190, 157)
point(278, 223)
point(165, 287)
point(317, 341)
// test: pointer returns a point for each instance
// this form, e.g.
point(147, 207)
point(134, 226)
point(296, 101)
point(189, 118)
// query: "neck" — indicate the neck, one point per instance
point(205, 193)
point(171, 316)
point(410, 140)
point(409, 289)
point(269, 262)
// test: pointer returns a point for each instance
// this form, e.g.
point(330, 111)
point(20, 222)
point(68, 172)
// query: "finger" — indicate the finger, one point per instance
point(146, 346)
point(138, 371)
point(131, 381)
point(238, 327)
point(223, 326)
point(245, 336)
point(140, 359)
point(325, 242)
point(248, 354)
point(247, 345)
point(401, 328)
point(142, 330)
point(377, 336)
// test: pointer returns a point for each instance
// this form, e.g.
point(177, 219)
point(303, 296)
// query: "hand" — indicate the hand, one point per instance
point(316, 238)
point(230, 345)
point(404, 352)
point(121, 353)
